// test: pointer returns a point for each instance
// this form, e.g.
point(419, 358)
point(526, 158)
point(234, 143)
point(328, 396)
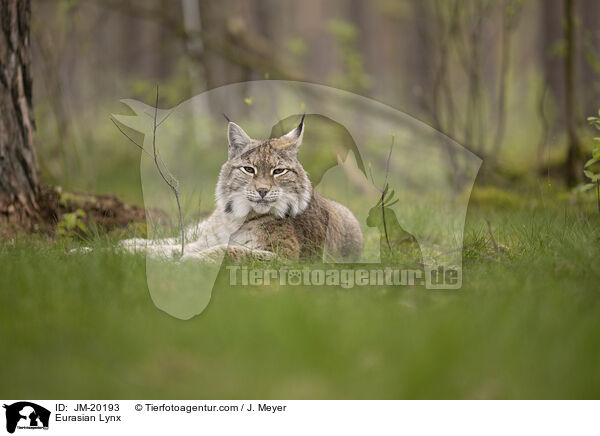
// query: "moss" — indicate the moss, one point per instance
point(492, 196)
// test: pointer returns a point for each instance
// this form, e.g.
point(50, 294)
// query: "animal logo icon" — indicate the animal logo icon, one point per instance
point(26, 415)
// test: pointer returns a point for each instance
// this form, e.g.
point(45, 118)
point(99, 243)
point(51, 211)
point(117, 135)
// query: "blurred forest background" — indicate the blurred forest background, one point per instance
point(512, 80)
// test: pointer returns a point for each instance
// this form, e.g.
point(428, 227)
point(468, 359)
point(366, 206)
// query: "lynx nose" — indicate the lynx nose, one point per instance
point(262, 191)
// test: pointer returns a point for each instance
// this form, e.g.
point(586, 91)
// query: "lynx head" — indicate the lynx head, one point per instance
point(263, 176)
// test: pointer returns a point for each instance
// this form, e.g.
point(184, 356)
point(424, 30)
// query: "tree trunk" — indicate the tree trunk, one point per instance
point(551, 34)
point(19, 180)
point(589, 11)
point(573, 167)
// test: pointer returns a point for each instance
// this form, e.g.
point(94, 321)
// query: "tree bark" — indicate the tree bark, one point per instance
point(19, 179)
point(573, 167)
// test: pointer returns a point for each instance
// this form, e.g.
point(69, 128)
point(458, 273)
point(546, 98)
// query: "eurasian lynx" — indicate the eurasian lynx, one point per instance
point(266, 207)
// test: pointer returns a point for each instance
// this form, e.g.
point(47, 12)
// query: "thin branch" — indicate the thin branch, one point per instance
point(384, 192)
point(129, 137)
point(489, 226)
point(160, 164)
point(385, 231)
point(173, 182)
point(387, 163)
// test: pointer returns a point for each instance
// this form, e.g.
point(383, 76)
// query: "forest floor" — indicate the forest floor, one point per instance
point(524, 325)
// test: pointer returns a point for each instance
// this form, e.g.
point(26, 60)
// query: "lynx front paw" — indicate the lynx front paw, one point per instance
point(208, 255)
point(234, 253)
point(133, 243)
point(80, 250)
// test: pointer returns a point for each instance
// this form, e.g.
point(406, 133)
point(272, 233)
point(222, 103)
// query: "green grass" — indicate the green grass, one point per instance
point(524, 325)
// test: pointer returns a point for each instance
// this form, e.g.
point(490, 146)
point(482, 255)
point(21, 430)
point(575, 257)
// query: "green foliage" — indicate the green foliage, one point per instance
point(591, 168)
point(297, 46)
point(71, 225)
point(354, 77)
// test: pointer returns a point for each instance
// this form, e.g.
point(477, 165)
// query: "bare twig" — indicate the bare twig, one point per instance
point(130, 138)
point(160, 164)
point(172, 182)
point(387, 163)
point(385, 231)
point(489, 226)
point(383, 194)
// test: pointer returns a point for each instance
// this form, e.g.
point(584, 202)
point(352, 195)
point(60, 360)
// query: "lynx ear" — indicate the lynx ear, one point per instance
point(295, 136)
point(238, 139)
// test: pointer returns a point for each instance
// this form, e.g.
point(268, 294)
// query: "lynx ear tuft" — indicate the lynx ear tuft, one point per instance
point(238, 139)
point(295, 135)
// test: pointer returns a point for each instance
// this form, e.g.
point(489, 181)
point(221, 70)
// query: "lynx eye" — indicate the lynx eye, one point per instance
point(248, 170)
point(279, 171)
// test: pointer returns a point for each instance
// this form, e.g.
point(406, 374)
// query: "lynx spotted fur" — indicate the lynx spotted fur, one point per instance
point(266, 207)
